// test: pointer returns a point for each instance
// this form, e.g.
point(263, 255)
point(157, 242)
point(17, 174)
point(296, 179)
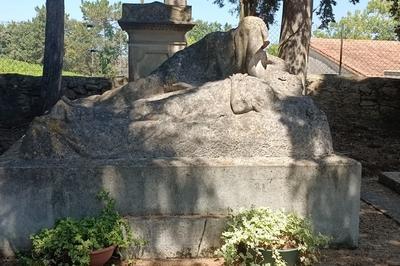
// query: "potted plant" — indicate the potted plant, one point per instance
point(88, 241)
point(260, 236)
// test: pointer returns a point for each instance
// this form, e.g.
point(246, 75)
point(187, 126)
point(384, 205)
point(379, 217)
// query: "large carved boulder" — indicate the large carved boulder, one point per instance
point(192, 106)
point(241, 116)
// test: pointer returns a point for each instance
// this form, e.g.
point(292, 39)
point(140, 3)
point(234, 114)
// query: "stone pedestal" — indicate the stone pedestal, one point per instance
point(156, 31)
point(176, 2)
point(179, 204)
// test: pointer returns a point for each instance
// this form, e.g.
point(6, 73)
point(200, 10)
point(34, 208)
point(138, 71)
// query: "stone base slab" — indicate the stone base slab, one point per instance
point(179, 204)
point(391, 180)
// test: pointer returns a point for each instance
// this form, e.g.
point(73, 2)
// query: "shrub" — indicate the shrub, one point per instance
point(70, 241)
point(251, 231)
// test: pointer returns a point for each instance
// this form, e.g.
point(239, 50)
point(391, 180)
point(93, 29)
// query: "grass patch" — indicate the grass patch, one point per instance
point(23, 68)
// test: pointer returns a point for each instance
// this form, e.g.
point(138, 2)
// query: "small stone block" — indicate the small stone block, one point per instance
point(175, 2)
point(391, 180)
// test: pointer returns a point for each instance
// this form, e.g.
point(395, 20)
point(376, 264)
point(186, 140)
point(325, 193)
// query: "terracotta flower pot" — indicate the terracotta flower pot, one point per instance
point(101, 256)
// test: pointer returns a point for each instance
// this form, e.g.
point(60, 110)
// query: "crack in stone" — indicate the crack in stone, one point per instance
point(202, 235)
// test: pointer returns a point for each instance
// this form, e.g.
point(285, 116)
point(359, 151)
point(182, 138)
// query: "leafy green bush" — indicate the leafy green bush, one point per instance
point(18, 67)
point(251, 231)
point(70, 241)
point(273, 49)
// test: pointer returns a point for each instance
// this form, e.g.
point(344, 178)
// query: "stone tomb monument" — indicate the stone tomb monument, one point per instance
point(179, 147)
point(156, 32)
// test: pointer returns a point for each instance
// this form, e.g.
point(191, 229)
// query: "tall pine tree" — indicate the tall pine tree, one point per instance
point(53, 54)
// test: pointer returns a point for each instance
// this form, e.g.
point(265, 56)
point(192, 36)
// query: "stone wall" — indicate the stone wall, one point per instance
point(20, 94)
point(367, 101)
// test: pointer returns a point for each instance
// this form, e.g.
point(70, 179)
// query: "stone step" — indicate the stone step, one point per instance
point(381, 197)
point(391, 180)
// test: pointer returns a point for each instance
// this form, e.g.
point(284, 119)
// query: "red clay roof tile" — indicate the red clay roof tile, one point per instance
point(365, 57)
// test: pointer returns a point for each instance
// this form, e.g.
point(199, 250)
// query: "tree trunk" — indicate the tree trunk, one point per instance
point(295, 35)
point(53, 54)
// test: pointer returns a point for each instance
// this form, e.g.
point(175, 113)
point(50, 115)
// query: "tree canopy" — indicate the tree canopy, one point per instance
point(108, 38)
point(266, 9)
point(203, 28)
point(92, 46)
point(375, 22)
point(24, 41)
point(395, 11)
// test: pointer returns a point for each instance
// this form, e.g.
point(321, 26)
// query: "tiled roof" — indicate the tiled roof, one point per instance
point(364, 57)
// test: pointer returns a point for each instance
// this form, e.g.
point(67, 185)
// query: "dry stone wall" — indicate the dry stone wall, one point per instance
point(367, 101)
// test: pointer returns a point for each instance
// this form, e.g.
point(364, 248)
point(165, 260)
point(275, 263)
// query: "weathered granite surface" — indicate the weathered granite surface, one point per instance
point(241, 116)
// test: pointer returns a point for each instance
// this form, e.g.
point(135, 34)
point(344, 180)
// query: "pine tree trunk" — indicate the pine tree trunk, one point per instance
point(53, 54)
point(296, 34)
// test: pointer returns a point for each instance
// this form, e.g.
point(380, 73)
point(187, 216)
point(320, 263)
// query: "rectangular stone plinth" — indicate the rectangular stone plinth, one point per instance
point(189, 191)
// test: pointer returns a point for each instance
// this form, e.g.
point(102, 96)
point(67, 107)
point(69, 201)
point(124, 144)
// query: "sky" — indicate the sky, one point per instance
point(17, 10)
